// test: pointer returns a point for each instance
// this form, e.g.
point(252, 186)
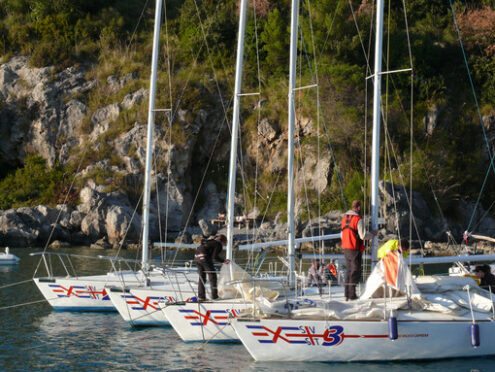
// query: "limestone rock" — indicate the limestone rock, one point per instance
point(134, 98)
point(430, 121)
point(16, 230)
point(113, 84)
point(119, 224)
point(214, 202)
point(101, 244)
point(207, 228)
point(92, 225)
point(267, 130)
point(128, 78)
point(102, 118)
point(57, 244)
point(43, 98)
point(75, 220)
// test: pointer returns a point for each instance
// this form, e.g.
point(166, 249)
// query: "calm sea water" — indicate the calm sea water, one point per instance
point(33, 337)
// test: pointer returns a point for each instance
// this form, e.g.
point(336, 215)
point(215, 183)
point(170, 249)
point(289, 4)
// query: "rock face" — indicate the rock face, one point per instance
point(45, 99)
point(43, 111)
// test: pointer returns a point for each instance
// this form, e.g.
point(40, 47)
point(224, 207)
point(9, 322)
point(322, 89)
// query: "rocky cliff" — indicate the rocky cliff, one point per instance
point(44, 111)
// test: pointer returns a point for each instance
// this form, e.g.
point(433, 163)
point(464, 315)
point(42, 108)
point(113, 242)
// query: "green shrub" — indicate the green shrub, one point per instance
point(35, 184)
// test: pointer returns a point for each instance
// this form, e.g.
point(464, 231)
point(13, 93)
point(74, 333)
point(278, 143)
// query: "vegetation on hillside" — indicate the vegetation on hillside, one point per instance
point(451, 160)
point(35, 184)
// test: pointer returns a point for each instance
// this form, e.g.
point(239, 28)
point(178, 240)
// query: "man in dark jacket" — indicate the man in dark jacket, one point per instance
point(205, 254)
point(487, 279)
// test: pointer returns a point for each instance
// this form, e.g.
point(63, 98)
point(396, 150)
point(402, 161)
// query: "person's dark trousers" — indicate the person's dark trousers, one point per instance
point(353, 259)
point(203, 269)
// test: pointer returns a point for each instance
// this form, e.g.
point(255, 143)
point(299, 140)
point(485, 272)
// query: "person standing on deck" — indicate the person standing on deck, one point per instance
point(316, 274)
point(205, 254)
point(487, 279)
point(402, 246)
point(353, 236)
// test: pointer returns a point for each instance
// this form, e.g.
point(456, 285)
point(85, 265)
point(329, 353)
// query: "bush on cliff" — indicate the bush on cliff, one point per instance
point(35, 184)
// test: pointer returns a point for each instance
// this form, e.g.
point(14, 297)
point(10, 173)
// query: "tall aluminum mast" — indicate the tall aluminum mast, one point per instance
point(290, 162)
point(235, 130)
point(375, 170)
point(149, 144)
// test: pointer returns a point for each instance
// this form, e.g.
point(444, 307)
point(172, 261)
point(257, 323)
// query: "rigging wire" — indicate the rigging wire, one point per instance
point(137, 25)
point(329, 30)
point(411, 136)
point(317, 82)
point(170, 123)
point(327, 133)
point(258, 115)
point(487, 142)
point(365, 151)
point(226, 120)
point(385, 116)
point(52, 230)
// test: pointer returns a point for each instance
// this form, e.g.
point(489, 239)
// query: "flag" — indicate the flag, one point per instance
point(391, 268)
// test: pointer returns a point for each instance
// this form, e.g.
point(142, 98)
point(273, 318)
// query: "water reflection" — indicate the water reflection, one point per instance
point(5, 268)
point(33, 337)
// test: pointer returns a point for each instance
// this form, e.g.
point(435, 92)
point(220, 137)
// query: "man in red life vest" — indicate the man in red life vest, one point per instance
point(353, 236)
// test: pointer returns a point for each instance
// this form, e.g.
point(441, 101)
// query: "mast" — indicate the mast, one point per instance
point(235, 130)
point(290, 162)
point(149, 144)
point(375, 171)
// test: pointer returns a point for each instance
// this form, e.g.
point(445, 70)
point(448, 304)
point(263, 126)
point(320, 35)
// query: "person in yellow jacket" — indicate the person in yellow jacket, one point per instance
point(394, 245)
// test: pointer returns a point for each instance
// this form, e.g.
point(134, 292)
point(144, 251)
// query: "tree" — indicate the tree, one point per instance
point(275, 38)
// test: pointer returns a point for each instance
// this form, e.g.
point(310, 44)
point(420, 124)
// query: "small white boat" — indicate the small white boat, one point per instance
point(7, 258)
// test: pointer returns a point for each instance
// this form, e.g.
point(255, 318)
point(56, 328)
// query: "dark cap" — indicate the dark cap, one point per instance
point(404, 243)
point(222, 238)
point(355, 204)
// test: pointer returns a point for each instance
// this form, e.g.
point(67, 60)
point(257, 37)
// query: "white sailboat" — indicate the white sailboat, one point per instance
point(428, 318)
point(91, 293)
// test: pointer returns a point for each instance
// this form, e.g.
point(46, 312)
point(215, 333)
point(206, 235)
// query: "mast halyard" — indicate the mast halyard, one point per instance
point(290, 163)
point(235, 130)
point(149, 143)
point(375, 157)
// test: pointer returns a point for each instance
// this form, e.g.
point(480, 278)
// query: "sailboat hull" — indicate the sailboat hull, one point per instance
point(86, 293)
point(205, 321)
point(347, 341)
point(142, 306)
point(76, 294)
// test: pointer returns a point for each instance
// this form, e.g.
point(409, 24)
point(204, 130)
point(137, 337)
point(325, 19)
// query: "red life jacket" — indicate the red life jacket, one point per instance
point(350, 235)
point(332, 269)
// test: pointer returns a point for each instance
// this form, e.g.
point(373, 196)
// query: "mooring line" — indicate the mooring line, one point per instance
point(14, 284)
point(24, 304)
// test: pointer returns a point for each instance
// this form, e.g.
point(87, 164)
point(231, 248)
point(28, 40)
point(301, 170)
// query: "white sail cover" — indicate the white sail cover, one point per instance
point(234, 282)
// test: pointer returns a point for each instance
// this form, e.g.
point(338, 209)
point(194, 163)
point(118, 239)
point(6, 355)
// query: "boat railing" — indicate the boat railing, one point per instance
point(257, 288)
point(66, 263)
point(173, 275)
point(132, 265)
point(65, 260)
